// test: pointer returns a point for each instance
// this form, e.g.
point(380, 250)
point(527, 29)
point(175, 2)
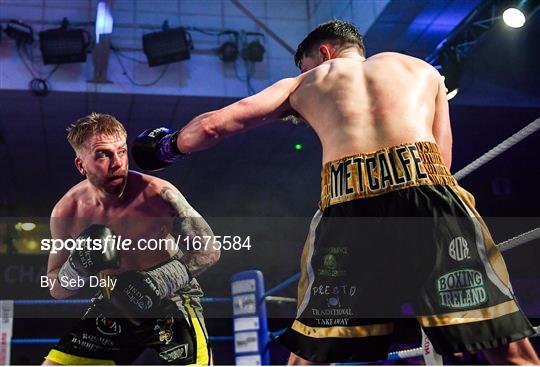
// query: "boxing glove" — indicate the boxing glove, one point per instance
point(155, 149)
point(84, 262)
point(138, 294)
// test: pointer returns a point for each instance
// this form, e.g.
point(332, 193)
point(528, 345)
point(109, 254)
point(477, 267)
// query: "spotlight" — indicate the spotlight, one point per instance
point(514, 18)
point(253, 51)
point(167, 46)
point(228, 52)
point(27, 227)
point(63, 45)
point(104, 20)
point(20, 32)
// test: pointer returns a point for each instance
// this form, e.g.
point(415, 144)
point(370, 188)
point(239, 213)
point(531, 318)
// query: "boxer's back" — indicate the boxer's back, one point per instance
point(357, 106)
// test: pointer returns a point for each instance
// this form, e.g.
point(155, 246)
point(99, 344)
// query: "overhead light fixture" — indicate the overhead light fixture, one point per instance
point(22, 33)
point(228, 51)
point(167, 46)
point(254, 50)
point(104, 20)
point(27, 226)
point(514, 17)
point(63, 45)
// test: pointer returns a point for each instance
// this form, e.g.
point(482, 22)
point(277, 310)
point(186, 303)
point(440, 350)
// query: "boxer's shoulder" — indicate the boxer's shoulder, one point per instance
point(395, 57)
point(67, 205)
point(153, 189)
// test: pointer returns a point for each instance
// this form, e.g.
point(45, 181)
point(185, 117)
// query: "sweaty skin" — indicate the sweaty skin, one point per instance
point(353, 104)
point(135, 206)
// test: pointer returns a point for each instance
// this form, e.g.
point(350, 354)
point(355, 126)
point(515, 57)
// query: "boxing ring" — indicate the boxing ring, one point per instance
point(251, 337)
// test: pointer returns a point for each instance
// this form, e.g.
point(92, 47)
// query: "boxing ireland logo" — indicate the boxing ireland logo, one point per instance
point(461, 289)
point(459, 249)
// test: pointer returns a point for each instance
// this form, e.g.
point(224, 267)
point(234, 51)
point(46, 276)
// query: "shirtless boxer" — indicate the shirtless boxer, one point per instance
point(384, 127)
point(152, 300)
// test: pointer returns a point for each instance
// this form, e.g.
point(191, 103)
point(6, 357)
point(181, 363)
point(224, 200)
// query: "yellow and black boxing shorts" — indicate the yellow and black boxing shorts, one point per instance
point(394, 228)
point(178, 336)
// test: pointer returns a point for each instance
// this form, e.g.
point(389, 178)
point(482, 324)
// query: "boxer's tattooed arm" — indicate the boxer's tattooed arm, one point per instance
point(187, 223)
point(295, 118)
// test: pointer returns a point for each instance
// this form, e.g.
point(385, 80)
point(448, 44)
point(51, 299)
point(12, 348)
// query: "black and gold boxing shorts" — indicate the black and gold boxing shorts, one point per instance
point(178, 336)
point(395, 229)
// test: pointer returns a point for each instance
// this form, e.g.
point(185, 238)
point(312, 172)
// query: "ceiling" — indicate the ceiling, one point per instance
point(501, 69)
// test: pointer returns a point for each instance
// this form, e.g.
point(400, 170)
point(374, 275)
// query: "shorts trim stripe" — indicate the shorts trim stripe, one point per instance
point(68, 359)
point(481, 242)
point(464, 317)
point(310, 243)
point(343, 331)
point(202, 351)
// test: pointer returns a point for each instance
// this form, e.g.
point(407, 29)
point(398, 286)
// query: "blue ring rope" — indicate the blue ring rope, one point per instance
point(283, 284)
point(45, 302)
point(26, 341)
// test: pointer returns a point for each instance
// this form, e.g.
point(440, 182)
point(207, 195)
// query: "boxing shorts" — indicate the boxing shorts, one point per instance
point(396, 232)
point(178, 335)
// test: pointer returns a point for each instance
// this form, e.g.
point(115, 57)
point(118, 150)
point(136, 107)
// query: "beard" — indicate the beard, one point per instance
point(113, 185)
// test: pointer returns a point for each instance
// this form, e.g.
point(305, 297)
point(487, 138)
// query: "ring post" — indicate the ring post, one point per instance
point(250, 325)
point(6, 331)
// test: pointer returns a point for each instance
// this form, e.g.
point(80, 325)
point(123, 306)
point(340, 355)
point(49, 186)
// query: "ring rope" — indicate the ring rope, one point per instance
point(25, 341)
point(292, 279)
point(529, 236)
point(278, 299)
point(417, 352)
point(82, 301)
point(494, 152)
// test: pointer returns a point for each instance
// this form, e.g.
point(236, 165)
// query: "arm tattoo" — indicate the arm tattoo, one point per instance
point(188, 223)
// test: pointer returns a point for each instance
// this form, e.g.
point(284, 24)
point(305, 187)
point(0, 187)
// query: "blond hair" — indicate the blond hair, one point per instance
point(95, 123)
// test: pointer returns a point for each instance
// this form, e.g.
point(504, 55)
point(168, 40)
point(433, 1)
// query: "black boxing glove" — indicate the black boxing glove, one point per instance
point(84, 261)
point(155, 149)
point(138, 294)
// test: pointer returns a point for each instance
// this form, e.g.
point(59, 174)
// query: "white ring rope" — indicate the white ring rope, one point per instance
point(418, 352)
point(494, 152)
point(410, 353)
point(519, 240)
point(281, 299)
